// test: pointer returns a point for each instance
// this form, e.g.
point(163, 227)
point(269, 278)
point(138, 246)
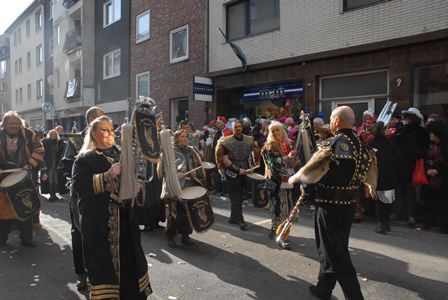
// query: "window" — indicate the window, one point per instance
point(28, 28)
point(3, 69)
point(38, 17)
point(111, 64)
point(16, 67)
point(50, 11)
point(58, 78)
point(19, 35)
point(350, 4)
point(39, 55)
point(21, 95)
point(431, 87)
point(28, 92)
point(143, 26)
point(143, 84)
point(179, 44)
point(15, 38)
point(50, 48)
point(111, 12)
point(17, 96)
point(20, 65)
point(57, 31)
point(39, 89)
point(251, 17)
point(3, 86)
point(28, 60)
point(368, 84)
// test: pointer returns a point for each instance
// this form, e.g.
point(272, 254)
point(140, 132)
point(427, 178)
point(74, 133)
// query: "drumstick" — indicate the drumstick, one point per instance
point(11, 170)
point(191, 171)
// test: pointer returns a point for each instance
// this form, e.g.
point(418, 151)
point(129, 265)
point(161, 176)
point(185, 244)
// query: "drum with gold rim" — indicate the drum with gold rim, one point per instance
point(256, 183)
point(21, 193)
point(212, 176)
point(200, 212)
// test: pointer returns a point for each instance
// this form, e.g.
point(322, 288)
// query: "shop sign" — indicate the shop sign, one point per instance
point(272, 92)
point(203, 89)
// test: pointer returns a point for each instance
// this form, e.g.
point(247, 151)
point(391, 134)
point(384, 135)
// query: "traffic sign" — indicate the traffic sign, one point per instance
point(47, 107)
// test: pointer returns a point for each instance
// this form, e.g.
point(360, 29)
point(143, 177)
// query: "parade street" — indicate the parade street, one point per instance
point(227, 263)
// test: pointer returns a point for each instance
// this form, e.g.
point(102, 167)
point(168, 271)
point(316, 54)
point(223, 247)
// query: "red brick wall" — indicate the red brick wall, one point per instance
point(169, 81)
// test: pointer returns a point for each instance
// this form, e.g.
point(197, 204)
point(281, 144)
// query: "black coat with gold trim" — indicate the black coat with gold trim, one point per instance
point(340, 166)
point(110, 237)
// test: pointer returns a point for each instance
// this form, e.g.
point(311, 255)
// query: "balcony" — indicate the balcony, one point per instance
point(73, 40)
point(69, 3)
point(73, 88)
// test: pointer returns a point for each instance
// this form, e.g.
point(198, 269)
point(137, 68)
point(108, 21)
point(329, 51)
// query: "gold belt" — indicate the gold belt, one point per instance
point(337, 202)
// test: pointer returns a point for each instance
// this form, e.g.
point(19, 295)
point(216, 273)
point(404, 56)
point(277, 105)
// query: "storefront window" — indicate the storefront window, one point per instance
point(431, 88)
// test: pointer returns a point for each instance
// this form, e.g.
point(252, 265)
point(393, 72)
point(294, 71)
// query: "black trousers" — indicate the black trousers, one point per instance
point(78, 259)
point(25, 227)
point(332, 230)
point(236, 186)
point(384, 210)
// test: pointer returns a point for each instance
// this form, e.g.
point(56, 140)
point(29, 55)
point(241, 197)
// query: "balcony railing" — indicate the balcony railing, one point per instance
point(73, 40)
point(69, 3)
point(73, 88)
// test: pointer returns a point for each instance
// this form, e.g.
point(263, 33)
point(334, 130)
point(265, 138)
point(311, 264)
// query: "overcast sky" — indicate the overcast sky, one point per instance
point(10, 10)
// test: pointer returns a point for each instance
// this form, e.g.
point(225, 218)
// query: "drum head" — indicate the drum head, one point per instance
point(13, 178)
point(208, 165)
point(255, 176)
point(193, 192)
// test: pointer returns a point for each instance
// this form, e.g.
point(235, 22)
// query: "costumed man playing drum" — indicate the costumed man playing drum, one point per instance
point(280, 161)
point(19, 148)
point(232, 156)
point(186, 159)
point(74, 144)
point(113, 256)
point(338, 167)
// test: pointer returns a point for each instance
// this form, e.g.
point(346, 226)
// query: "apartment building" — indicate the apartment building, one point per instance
point(317, 55)
point(26, 36)
point(112, 34)
point(5, 75)
point(73, 61)
point(167, 52)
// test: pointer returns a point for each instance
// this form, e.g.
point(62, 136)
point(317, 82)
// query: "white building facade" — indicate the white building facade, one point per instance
point(26, 36)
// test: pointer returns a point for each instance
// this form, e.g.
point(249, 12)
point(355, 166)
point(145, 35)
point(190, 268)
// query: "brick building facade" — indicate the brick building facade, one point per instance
point(155, 70)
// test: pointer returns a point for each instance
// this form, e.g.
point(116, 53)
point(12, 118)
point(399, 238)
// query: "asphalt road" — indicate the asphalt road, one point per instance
point(227, 263)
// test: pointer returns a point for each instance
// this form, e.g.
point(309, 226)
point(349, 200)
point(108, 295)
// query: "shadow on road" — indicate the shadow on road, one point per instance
point(234, 268)
point(44, 272)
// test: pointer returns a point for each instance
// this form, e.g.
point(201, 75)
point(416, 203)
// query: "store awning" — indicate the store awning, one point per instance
point(270, 92)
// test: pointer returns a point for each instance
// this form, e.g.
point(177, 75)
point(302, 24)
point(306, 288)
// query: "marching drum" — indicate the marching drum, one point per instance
point(200, 212)
point(258, 189)
point(21, 193)
point(211, 175)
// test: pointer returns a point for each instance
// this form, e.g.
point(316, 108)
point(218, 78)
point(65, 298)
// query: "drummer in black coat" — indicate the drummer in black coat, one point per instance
point(340, 166)
point(186, 159)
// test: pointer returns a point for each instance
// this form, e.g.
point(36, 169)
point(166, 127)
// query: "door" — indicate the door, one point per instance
point(179, 111)
point(358, 105)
